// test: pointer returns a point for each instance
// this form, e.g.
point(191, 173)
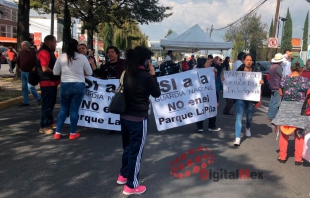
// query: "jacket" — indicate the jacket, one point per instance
point(137, 90)
point(47, 76)
point(275, 73)
point(26, 60)
point(110, 70)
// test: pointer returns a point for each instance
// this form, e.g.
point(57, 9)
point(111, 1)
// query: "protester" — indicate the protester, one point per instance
point(248, 66)
point(32, 46)
point(26, 62)
point(275, 74)
point(293, 91)
point(11, 54)
point(48, 83)
point(169, 56)
point(192, 62)
point(72, 66)
point(139, 84)
point(239, 62)
point(226, 63)
point(286, 64)
point(306, 71)
point(204, 63)
point(113, 68)
point(184, 65)
point(83, 50)
point(217, 64)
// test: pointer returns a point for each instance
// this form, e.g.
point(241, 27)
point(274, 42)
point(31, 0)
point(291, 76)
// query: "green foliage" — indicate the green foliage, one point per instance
point(67, 27)
point(168, 33)
point(287, 33)
point(107, 35)
point(116, 13)
point(305, 34)
point(249, 35)
point(271, 31)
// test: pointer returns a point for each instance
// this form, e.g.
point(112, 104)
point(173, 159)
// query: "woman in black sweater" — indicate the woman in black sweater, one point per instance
point(139, 83)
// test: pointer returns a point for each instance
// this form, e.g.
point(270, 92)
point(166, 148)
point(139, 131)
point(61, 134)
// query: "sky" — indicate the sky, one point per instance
point(187, 13)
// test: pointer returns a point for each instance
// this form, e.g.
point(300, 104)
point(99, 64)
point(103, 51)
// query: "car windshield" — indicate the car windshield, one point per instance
point(263, 65)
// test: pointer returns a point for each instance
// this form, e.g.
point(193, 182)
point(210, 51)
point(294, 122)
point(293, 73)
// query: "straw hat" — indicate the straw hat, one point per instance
point(277, 58)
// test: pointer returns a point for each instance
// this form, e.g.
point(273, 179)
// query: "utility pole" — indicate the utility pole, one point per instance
point(276, 18)
point(211, 30)
point(52, 17)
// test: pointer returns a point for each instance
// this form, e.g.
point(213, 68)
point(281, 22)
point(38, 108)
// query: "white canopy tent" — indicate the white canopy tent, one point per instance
point(157, 47)
point(194, 39)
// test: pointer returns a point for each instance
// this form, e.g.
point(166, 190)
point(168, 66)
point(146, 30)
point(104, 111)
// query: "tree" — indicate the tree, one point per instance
point(253, 32)
point(305, 34)
point(287, 33)
point(271, 29)
point(67, 27)
point(168, 33)
point(22, 26)
point(108, 35)
point(92, 12)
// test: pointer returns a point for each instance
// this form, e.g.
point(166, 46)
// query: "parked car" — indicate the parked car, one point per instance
point(101, 57)
point(3, 51)
point(264, 67)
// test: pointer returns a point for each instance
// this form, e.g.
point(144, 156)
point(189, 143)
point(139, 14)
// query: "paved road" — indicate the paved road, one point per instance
point(4, 70)
point(36, 165)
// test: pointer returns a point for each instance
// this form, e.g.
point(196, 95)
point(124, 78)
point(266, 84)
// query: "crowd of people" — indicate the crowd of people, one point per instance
point(289, 83)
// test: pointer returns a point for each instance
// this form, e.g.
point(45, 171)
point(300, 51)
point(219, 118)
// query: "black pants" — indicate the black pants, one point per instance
point(48, 95)
point(212, 123)
point(12, 66)
point(133, 136)
point(229, 104)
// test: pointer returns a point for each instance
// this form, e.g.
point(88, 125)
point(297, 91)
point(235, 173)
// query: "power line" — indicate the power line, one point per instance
point(253, 9)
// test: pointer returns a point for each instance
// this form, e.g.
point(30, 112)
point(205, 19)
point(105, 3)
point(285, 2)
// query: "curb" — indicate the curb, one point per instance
point(14, 101)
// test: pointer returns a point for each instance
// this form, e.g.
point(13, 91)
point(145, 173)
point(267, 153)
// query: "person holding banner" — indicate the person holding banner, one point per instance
point(72, 66)
point(247, 66)
point(139, 83)
point(206, 63)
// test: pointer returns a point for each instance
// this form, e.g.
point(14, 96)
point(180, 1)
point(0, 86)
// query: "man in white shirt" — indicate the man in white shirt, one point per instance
point(286, 64)
point(169, 55)
point(239, 62)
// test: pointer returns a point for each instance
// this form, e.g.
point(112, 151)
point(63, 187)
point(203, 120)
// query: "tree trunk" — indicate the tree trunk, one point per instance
point(90, 38)
point(22, 27)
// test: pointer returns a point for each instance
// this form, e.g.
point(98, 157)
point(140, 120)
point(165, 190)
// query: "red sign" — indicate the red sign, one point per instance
point(37, 38)
point(82, 37)
point(273, 43)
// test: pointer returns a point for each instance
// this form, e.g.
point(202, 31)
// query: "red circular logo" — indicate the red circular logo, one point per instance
point(192, 162)
point(82, 37)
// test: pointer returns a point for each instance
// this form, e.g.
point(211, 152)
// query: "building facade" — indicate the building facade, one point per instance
point(8, 23)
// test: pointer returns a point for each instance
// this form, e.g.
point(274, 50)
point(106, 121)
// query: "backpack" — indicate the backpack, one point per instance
point(305, 110)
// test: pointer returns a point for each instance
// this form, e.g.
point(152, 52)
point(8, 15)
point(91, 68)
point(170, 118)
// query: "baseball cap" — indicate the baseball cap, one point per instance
point(300, 61)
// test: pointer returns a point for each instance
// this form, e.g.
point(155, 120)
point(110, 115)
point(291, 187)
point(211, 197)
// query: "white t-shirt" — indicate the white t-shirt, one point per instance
point(168, 58)
point(286, 65)
point(236, 65)
point(74, 71)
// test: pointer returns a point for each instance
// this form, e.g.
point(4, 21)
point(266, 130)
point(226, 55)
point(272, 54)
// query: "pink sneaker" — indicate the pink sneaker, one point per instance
point(121, 179)
point(134, 191)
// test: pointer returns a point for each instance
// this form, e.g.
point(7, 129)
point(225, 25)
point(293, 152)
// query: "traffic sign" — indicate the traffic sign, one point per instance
point(82, 37)
point(273, 43)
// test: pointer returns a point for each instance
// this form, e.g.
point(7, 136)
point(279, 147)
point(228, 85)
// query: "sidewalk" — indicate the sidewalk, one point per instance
point(10, 88)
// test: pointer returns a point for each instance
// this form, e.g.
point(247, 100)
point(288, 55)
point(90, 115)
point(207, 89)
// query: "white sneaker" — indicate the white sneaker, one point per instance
point(237, 142)
point(248, 132)
point(215, 129)
point(200, 130)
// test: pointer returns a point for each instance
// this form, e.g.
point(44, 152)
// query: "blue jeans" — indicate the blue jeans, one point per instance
point(240, 104)
point(28, 87)
point(71, 96)
point(274, 104)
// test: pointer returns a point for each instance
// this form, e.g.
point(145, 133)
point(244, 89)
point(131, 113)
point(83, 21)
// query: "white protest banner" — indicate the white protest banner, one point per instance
point(93, 111)
point(242, 85)
point(186, 98)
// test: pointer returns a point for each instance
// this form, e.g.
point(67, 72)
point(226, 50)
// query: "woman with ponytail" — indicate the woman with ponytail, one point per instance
point(293, 89)
point(139, 83)
point(72, 66)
